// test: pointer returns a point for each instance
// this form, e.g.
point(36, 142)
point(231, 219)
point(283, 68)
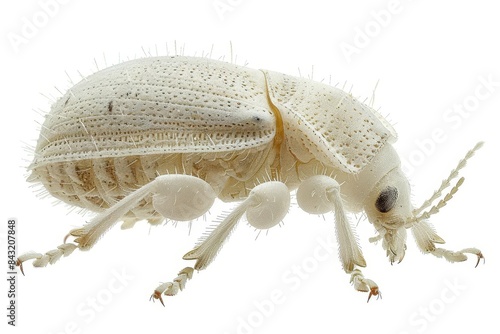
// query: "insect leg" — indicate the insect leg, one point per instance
point(170, 195)
point(265, 206)
point(88, 235)
point(171, 288)
point(320, 194)
point(350, 253)
point(363, 284)
point(426, 240)
point(41, 260)
point(204, 253)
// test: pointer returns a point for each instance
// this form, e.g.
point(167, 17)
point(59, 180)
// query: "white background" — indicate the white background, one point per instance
point(427, 56)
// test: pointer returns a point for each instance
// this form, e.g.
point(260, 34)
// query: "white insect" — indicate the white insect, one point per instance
point(163, 137)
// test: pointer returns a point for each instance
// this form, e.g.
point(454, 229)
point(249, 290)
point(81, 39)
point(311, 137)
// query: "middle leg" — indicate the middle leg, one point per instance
point(265, 206)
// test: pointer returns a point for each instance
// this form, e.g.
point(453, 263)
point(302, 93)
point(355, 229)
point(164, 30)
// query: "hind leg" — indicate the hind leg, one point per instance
point(176, 197)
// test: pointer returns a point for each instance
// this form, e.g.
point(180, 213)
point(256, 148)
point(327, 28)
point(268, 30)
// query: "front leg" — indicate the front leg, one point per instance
point(321, 194)
point(363, 284)
point(426, 240)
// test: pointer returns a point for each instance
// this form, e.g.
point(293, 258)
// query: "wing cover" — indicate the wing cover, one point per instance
point(158, 105)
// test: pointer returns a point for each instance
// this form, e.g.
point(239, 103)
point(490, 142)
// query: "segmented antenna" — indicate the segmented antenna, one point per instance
point(435, 209)
point(445, 184)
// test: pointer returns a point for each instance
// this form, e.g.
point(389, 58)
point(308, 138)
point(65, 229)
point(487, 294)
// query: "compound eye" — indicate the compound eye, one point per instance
point(387, 199)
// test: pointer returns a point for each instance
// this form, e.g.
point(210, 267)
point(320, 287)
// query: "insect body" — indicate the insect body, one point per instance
point(163, 137)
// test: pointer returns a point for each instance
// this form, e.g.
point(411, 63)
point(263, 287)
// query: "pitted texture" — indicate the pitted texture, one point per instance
point(158, 105)
point(325, 123)
point(121, 127)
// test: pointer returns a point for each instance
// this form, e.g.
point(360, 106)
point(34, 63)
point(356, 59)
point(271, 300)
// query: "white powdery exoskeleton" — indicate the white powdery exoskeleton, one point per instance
point(163, 137)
